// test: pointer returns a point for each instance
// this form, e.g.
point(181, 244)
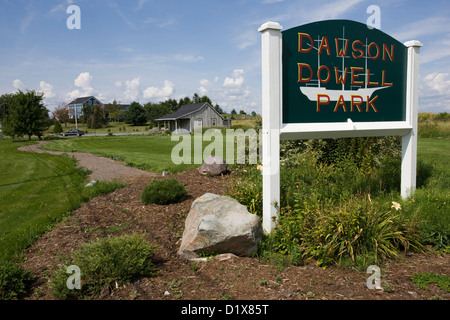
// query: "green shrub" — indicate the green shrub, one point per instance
point(331, 233)
point(164, 191)
point(13, 280)
point(107, 262)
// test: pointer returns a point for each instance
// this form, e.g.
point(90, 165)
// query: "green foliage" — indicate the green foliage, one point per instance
point(107, 262)
point(155, 111)
point(94, 116)
point(136, 114)
point(247, 188)
point(57, 128)
point(422, 280)
point(332, 233)
point(26, 115)
point(335, 207)
point(164, 191)
point(13, 280)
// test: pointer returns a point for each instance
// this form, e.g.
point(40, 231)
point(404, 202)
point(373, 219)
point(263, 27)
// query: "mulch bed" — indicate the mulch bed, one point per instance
point(237, 278)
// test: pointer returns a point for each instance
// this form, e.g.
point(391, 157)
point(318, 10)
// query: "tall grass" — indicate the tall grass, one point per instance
point(336, 198)
point(433, 125)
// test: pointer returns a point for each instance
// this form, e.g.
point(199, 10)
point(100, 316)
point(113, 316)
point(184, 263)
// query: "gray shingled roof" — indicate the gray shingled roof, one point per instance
point(182, 112)
point(81, 100)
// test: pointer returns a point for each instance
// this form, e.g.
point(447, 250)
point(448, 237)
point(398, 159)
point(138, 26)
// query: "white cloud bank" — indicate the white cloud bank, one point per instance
point(163, 93)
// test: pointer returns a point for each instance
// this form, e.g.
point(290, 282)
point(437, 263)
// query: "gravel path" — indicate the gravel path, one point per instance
point(102, 169)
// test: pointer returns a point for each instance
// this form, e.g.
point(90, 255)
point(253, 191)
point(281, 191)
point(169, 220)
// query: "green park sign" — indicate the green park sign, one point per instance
point(338, 70)
point(335, 79)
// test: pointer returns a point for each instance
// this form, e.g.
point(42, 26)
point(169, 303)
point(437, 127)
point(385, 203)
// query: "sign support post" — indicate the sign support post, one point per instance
point(409, 141)
point(271, 121)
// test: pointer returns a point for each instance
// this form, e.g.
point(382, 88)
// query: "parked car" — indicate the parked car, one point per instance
point(73, 132)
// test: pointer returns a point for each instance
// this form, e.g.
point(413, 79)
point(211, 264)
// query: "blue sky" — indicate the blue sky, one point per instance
point(148, 50)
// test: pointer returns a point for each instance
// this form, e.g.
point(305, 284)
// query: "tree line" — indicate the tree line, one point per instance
point(24, 113)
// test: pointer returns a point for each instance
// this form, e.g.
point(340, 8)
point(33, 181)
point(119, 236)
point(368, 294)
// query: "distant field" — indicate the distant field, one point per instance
point(115, 127)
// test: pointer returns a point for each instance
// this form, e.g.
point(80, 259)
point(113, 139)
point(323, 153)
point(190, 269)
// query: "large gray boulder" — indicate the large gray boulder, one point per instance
point(214, 166)
point(217, 224)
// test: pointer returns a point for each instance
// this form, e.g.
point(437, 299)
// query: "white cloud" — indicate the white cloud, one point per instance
point(18, 84)
point(231, 93)
point(434, 93)
point(160, 93)
point(47, 88)
point(435, 83)
point(132, 91)
point(236, 80)
point(84, 82)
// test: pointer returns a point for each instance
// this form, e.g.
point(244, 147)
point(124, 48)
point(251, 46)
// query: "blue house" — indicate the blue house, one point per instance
point(76, 106)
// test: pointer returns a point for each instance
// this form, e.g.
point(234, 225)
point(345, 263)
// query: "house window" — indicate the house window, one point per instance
point(213, 122)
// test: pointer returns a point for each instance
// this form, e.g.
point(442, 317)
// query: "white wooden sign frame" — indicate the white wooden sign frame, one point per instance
point(273, 130)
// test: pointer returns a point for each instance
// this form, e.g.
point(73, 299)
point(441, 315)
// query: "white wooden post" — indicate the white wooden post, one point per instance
point(271, 120)
point(409, 141)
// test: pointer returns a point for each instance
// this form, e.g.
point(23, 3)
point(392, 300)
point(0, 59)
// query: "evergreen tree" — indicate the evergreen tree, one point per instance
point(57, 127)
point(136, 114)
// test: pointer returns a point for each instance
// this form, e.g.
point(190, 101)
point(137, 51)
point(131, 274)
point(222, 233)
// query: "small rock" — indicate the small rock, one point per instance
point(166, 293)
point(213, 166)
point(90, 184)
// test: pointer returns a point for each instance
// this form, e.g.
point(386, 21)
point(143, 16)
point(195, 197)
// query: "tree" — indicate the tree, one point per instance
point(57, 128)
point(136, 114)
point(26, 115)
point(233, 111)
point(61, 113)
point(5, 100)
point(172, 104)
point(254, 114)
point(113, 111)
point(242, 112)
point(183, 102)
point(94, 116)
point(155, 111)
point(218, 109)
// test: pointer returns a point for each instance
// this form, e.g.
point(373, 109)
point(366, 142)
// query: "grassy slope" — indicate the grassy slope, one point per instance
point(35, 190)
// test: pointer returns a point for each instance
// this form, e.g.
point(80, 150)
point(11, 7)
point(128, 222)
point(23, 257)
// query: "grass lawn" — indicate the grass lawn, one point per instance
point(436, 152)
point(36, 190)
point(152, 153)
